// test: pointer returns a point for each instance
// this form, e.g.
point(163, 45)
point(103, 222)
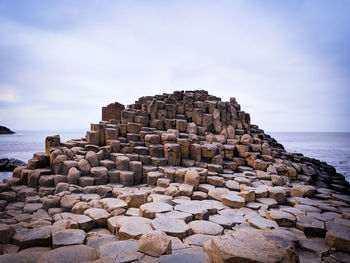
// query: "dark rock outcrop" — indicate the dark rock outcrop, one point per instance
point(8, 165)
point(5, 130)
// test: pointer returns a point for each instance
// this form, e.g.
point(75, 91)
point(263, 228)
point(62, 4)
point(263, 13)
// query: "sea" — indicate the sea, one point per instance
point(333, 148)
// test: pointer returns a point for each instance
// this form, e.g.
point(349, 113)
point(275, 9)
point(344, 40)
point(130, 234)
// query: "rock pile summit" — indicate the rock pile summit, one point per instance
point(181, 177)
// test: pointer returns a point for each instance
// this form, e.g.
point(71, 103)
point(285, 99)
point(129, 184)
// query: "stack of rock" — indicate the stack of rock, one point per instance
point(182, 176)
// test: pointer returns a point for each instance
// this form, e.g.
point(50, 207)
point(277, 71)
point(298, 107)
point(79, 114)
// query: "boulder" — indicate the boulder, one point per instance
point(248, 246)
point(155, 243)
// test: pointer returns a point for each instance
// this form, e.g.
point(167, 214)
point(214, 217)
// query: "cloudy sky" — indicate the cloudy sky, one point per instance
point(286, 62)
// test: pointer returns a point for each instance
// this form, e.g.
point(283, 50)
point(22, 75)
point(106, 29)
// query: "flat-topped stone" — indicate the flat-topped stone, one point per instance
point(99, 215)
point(68, 237)
point(171, 226)
point(149, 210)
point(205, 227)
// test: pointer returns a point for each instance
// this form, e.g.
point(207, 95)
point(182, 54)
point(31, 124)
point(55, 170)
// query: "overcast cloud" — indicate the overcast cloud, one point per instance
point(286, 62)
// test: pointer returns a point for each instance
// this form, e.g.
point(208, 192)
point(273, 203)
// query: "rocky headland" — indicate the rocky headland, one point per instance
point(181, 177)
point(5, 130)
point(9, 164)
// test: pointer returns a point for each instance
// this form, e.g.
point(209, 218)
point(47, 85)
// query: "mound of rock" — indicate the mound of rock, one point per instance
point(9, 164)
point(179, 177)
point(5, 130)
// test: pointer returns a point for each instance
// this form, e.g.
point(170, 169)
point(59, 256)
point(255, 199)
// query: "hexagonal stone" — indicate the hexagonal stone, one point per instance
point(193, 257)
point(314, 245)
point(197, 239)
point(205, 227)
point(68, 237)
point(310, 226)
point(198, 212)
point(149, 210)
point(233, 200)
point(303, 190)
point(271, 203)
point(177, 215)
point(70, 254)
point(155, 243)
point(111, 204)
point(6, 233)
point(84, 222)
point(133, 227)
point(262, 223)
point(99, 215)
point(248, 246)
point(33, 253)
point(224, 221)
point(124, 251)
point(171, 226)
point(242, 180)
point(281, 218)
point(218, 192)
point(32, 237)
point(338, 236)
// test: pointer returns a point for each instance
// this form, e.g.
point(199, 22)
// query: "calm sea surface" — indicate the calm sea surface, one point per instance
point(334, 148)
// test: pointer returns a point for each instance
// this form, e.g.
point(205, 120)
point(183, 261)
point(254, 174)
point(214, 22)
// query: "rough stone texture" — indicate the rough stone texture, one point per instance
point(171, 226)
point(248, 246)
point(155, 243)
point(70, 254)
point(68, 237)
point(187, 164)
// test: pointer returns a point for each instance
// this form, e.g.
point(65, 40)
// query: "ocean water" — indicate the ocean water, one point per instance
point(23, 144)
point(333, 148)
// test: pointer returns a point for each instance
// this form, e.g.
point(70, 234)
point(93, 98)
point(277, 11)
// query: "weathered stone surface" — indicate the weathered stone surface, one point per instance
point(303, 190)
point(70, 254)
point(155, 243)
point(111, 204)
point(281, 218)
point(124, 251)
point(149, 210)
point(233, 200)
point(205, 227)
point(32, 237)
point(248, 246)
point(171, 226)
point(310, 226)
point(68, 237)
point(338, 236)
point(262, 223)
point(192, 177)
point(6, 233)
point(197, 211)
point(99, 215)
point(193, 257)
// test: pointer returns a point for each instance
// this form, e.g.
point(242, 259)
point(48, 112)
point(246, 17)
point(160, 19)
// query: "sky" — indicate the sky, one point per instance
point(286, 62)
